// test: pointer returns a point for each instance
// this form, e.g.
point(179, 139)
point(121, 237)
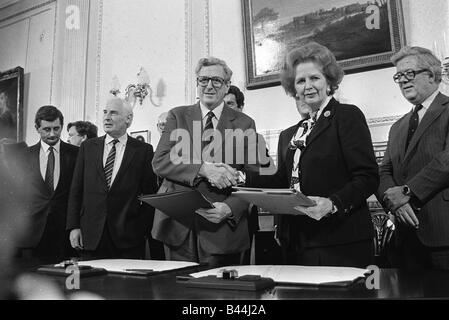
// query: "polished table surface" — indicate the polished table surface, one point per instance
point(394, 284)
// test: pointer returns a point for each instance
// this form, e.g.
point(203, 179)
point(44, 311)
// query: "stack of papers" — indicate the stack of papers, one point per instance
point(130, 266)
point(288, 274)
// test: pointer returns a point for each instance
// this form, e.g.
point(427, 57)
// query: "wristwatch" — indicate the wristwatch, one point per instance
point(406, 191)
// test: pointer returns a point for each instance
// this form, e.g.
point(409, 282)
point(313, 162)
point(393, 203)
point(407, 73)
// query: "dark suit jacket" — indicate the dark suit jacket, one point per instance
point(222, 238)
point(42, 201)
point(92, 205)
point(424, 168)
point(338, 163)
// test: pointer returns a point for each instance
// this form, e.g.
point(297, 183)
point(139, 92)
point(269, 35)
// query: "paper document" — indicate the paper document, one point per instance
point(178, 204)
point(307, 275)
point(131, 266)
point(278, 201)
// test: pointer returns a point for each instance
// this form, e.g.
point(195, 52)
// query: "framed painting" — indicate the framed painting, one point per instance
point(144, 135)
point(363, 35)
point(11, 104)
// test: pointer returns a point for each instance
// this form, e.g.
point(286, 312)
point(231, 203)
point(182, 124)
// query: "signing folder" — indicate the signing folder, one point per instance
point(278, 201)
point(297, 275)
point(177, 204)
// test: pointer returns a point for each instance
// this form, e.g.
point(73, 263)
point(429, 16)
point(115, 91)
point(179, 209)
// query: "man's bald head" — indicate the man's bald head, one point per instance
point(117, 117)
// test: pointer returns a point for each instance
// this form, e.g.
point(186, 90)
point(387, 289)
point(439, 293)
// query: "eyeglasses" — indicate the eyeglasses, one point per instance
point(217, 82)
point(409, 74)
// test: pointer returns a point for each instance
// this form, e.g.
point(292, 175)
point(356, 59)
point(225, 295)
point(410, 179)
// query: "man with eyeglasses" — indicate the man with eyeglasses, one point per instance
point(414, 174)
point(215, 236)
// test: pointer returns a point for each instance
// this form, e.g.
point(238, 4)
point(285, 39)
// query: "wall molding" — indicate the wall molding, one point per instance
point(98, 58)
point(188, 92)
point(13, 10)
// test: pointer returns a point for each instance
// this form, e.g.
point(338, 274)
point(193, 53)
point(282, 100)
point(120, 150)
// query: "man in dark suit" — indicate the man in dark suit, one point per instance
point(105, 217)
point(49, 168)
point(216, 236)
point(414, 173)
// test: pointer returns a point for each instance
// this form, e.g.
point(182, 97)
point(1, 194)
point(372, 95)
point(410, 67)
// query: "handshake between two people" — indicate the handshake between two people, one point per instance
point(221, 176)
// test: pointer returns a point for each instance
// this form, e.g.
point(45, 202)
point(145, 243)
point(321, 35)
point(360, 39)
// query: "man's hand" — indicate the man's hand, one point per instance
point(217, 214)
point(395, 198)
point(322, 208)
point(76, 239)
point(406, 215)
point(219, 175)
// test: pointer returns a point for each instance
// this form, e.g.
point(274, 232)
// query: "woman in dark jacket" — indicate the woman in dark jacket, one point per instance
point(329, 157)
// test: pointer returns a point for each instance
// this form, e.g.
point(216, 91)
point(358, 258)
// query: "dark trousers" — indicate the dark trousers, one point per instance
point(412, 254)
point(108, 250)
point(190, 250)
point(357, 254)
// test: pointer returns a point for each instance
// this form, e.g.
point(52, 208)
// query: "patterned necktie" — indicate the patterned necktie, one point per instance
point(109, 167)
point(209, 126)
point(298, 145)
point(50, 171)
point(413, 124)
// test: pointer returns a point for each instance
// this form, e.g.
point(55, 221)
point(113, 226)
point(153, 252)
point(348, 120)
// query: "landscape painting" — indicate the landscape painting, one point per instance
point(362, 34)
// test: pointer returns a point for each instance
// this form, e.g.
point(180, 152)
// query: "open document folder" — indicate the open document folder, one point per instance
point(300, 275)
point(137, 267)
point(177, 204)
point(278, 201)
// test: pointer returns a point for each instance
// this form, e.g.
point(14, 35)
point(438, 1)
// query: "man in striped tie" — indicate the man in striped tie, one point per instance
point(105, 217)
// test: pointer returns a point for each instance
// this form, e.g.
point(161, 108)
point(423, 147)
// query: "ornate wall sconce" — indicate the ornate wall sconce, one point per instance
point(142, 89)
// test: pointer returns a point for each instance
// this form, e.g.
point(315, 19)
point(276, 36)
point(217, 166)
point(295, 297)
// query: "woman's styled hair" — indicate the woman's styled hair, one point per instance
point(311, 52)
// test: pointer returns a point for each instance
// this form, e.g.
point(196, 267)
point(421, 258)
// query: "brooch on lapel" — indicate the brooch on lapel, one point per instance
point(327, 114)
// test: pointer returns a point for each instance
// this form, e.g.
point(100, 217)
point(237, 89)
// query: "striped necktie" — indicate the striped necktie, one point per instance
point(209, 126)
point(109, 167)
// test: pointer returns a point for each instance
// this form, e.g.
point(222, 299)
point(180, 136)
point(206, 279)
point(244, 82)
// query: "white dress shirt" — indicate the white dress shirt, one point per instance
point(43, 160)
point(426, 104)
point(119, 152)
point(217, 114)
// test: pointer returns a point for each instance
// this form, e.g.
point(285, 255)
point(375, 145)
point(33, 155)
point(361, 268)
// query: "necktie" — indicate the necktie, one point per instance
point(209, 126)
point(109, 167)
point(49, 172)
point(413, 124)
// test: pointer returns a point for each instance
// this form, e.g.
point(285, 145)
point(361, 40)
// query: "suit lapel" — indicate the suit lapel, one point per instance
point(322, 123)
point(35, 165)
point(98, 158)
point(436, 108)
point(402, 135)
point(126, 161)
point(289, 153)
point(63, 163)
point(225, 122)
point(193, 115)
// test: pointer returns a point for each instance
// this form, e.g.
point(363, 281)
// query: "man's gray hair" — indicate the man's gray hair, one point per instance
point(426, 59)
point(212, 61)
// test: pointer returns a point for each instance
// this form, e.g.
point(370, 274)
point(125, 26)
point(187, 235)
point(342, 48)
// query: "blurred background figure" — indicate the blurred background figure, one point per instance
point(79, 131)
point(161, 121)
point(234, 99)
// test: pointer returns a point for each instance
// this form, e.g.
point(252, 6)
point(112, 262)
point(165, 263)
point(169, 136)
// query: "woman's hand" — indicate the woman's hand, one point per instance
point(322, 208)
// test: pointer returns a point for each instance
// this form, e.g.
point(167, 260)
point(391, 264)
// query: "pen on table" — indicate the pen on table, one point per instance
point(139, 270)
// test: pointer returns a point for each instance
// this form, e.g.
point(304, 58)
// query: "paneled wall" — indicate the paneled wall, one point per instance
point(73, 68)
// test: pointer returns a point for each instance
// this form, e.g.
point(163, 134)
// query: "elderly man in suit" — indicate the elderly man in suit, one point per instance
point(414, 173)
point(105, 217)
point(215, 236)
point(49, 168)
